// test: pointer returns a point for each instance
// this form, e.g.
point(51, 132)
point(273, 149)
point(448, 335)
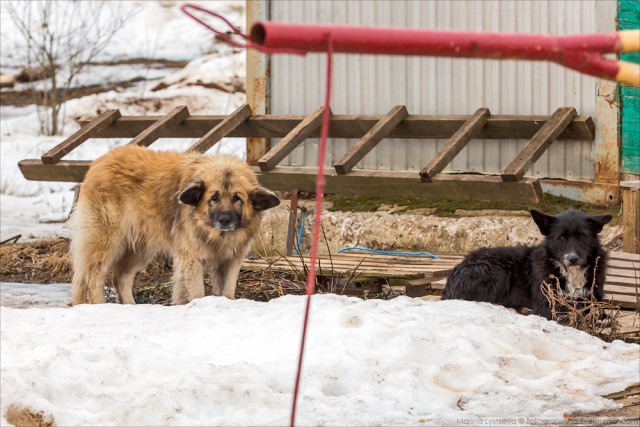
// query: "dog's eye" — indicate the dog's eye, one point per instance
point(215, 197)
point(236, 198)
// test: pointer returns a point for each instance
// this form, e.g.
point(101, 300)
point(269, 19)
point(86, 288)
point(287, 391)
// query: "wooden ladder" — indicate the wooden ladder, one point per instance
point(369, 130)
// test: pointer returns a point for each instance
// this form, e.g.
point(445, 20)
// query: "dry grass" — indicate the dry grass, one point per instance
point(41, 261)
point(598, 318)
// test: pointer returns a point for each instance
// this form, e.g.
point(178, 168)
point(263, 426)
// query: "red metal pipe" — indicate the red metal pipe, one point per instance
point(402, 41)
point(579, 52)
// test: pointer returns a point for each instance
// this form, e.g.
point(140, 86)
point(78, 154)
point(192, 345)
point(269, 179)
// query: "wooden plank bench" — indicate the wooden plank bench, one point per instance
point(423, 275)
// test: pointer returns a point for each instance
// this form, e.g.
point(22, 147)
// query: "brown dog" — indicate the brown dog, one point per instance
point(136, 203)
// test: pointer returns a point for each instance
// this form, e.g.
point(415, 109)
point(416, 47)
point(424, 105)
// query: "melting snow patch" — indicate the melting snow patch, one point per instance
point(222, 362)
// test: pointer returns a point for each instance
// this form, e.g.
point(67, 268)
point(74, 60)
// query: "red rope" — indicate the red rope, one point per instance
point(311, 277)
point(227, 38)
point(322, 149)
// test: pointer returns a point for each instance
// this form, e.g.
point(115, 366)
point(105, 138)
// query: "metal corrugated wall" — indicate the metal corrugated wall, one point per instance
point(367, 84)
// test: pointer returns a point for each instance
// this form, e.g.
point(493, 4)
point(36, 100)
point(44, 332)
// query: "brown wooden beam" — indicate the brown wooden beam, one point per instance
point(87, 131)
point(63, 171)
point(358, 182)
point(379, 183)
point(370, 139)
point(538, 144)
point(347, 126)
point(159, 128)
point(292, 140)
point(455, 144)
point(222, 129)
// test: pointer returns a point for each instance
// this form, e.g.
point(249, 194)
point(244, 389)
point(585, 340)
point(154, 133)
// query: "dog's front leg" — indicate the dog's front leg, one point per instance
point(217, 280)
point(188, 280)
point(228, 276)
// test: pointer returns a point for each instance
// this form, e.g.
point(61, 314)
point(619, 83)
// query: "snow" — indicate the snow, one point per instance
point(23, 295)
point(221, 362)
point(152, 29)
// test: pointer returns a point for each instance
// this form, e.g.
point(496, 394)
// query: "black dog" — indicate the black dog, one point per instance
point(513, 276)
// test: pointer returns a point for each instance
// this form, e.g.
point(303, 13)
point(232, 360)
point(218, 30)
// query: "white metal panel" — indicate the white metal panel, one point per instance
point(372, 84)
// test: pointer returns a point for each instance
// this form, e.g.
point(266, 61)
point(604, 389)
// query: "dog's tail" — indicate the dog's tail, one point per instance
point(78, 289)
point(78, 223)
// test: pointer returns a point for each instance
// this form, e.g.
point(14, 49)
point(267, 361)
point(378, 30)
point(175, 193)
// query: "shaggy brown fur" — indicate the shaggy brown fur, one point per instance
point(136, 203)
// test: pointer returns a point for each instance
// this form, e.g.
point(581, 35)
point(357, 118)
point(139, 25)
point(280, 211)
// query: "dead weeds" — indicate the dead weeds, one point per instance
point(598, 318)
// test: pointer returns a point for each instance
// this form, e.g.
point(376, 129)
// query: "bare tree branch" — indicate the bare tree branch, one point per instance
point(60, 38)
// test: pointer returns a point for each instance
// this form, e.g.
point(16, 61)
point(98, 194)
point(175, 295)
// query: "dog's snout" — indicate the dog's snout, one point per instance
point(572, 259)
point(224, 220)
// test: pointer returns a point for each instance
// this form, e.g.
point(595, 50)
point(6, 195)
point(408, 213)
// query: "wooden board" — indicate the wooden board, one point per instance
point(538, 144)
point(63, 171)
point(622, 283)
point(362, 267)
point(392, 184)
point(90, 130)
point(624, 272)
point(291, 140)
point(157, 130)
point(631, 216)
point(626, 290)
point(367, 183)
point(222, 129)
point(455, 144)
point(370, 139)
point(351, 126)
point(624, 256)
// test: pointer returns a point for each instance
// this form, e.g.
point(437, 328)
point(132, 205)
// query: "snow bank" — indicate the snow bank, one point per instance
point(222, 362)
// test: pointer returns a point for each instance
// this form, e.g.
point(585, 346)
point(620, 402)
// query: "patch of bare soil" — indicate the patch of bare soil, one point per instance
point(27, 417)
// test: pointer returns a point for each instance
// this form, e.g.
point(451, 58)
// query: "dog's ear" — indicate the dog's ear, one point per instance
point(543, 221)
point(263, 199)
point(598, 221)
point(192, 194)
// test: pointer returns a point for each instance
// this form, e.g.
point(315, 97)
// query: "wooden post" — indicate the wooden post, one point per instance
point(291, 229)
point(257, 81)
point(631, 216)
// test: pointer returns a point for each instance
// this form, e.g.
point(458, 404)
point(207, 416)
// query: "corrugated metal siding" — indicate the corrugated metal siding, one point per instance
point(369, 84)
